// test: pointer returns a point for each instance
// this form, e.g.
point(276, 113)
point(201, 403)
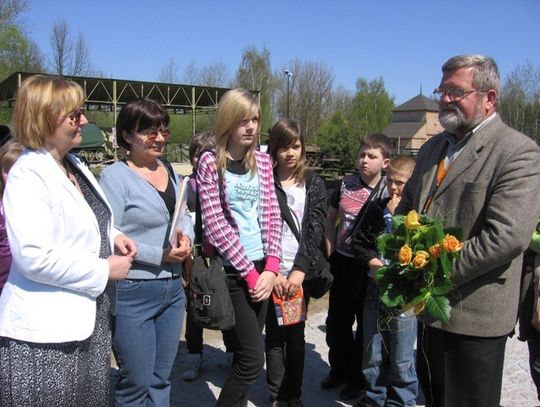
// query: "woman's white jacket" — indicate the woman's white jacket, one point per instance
point(56, 273)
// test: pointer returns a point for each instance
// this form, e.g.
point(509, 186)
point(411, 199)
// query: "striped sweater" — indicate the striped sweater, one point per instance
point(220, 228)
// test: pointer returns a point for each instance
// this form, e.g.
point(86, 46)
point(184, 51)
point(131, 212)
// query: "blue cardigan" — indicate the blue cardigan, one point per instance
point(141, 214)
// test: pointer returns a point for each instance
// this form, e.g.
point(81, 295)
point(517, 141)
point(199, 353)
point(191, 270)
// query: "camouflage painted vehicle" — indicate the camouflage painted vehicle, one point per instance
point(96, 147)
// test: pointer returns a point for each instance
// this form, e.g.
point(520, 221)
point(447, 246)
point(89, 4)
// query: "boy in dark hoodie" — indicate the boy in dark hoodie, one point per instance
point(388, 346)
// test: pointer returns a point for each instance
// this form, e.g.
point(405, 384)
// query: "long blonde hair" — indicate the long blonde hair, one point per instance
point(235, 106)
point(41, 102)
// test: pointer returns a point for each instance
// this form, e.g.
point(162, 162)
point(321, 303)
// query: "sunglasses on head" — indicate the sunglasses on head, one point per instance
point(76, 115)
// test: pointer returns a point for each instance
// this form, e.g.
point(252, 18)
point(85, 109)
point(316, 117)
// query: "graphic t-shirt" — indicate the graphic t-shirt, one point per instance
point(348, 199)
point(243, 194)
point(296, 200)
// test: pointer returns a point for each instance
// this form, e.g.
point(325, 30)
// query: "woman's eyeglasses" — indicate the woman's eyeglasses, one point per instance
point(76, 115)
point(152, 134)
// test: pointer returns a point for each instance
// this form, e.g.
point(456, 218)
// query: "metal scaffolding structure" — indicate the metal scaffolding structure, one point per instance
point(103, 94)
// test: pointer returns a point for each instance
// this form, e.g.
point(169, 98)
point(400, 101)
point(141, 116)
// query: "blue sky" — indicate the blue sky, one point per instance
point(403, 41)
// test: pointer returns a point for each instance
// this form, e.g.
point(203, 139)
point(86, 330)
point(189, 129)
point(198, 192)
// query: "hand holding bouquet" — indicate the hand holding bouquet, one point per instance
point(421, 253)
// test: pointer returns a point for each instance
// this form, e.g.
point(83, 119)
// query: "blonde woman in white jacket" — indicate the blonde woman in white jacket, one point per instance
point(54, 310)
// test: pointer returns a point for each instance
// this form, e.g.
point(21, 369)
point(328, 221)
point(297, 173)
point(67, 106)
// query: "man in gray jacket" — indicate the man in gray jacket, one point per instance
point(484, 177)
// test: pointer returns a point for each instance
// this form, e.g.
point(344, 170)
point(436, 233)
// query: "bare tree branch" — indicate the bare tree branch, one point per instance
point(169, 72)
point(61, 47)
point(10, 10)
point(215, 74)
point(81, 58)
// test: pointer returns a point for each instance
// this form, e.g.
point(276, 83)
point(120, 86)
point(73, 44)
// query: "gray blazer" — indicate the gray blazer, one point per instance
point(492, 193)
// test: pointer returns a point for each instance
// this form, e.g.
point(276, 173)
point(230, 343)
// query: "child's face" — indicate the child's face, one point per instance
point(287, 157)
point(245, 132)
point(396, 180)
point(371, 163)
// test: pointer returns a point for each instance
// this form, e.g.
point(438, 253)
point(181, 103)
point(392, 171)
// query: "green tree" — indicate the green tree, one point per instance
point(18, 53)
point(371, 109)
point(338, 141)
point(519, 104)
point(10, 11)
point(255, 73)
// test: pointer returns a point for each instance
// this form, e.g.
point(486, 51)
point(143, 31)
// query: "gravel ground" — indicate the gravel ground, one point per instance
point(518, 389)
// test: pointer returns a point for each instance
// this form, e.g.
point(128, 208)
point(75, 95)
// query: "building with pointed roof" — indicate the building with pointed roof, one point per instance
point(413, 123)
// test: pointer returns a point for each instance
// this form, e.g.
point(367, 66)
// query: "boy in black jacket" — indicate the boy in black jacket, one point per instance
point(388, 347)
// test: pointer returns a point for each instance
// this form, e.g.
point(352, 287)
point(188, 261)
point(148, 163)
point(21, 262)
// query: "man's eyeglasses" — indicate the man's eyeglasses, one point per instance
point(76, 115)
point(152, 134)
point(455, 94)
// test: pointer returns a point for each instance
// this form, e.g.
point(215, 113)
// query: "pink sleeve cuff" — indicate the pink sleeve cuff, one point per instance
point(251, 278)
point(272, 264)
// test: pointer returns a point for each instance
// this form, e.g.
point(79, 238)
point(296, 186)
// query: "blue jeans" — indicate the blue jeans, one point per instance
point(146, 332)
point(388, 362)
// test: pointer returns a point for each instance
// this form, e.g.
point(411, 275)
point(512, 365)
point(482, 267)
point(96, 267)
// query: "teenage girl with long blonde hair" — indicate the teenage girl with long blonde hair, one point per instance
point(242, 221)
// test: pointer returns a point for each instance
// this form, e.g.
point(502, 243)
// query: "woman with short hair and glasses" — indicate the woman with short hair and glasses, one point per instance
point(142, 190)
point(55, 328)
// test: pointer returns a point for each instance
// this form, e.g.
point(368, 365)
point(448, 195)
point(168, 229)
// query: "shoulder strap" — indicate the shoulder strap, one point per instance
point(169, 168)
point(361, 214)
point(286, 211)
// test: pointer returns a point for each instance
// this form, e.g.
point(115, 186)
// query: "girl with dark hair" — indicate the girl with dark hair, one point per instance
point(302, 199)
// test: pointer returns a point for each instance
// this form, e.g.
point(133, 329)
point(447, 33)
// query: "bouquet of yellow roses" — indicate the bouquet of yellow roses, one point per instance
point(421, 253)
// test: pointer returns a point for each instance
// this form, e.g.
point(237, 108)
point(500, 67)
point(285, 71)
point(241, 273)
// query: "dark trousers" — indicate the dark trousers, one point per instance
point(285, 352)
point(194, 336)
point(249, 350)
point(346, 304)
point(526, 330)
point(459, 370)
point(534, 363)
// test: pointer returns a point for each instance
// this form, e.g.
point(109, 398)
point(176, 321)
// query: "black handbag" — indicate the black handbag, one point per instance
point(210, 304)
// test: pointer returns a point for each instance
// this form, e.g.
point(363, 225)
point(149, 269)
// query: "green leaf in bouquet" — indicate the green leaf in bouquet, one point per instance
point(431, 236)
point(395, 295)
point(422, 296)
point(439, 232)
point(397, 222)
point(410, 273)
point(382, 242)
point(426, 220)
point(390, 297)
point(442, 287)
point(432, 265)
point(439, 308)
point(389, 244)
point(380, 274)
point(446, 263)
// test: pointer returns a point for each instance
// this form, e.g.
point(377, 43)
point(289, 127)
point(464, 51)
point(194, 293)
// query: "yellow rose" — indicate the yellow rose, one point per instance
point(405, 255)
point(412, 220)
point(451, 243)
point(420, 259)
point(435, 250)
